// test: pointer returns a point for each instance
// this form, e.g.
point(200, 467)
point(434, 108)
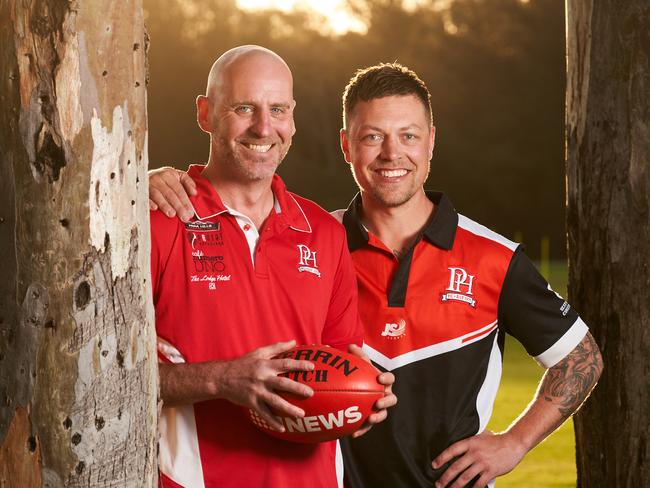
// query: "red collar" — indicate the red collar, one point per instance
point(207, 202)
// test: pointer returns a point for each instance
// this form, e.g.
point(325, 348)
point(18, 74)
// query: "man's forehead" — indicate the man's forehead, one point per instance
point(396, 110)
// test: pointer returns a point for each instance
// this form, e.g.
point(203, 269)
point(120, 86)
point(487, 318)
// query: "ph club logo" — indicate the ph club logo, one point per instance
point(394, 330)
point(460, 287)
point(307, 260)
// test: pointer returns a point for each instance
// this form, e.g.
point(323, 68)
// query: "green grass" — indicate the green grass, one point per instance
point(552, 463)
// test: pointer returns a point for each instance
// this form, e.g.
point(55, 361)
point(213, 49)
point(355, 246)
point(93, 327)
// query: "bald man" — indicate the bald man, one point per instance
point(231, 291)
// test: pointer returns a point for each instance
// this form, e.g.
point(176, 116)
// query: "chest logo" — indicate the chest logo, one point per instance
point(460, 287)
point(394, 330)
point(307, 260)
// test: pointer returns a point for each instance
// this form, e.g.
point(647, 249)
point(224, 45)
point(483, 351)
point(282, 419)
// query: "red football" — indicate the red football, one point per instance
point(345, 390)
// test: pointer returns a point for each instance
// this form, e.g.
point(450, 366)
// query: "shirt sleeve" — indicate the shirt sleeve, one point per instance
point(547, 326)
point(164, 231)
point(342, 326)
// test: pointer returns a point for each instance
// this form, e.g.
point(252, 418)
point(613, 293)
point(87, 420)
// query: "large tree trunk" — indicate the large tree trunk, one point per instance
point(608, 174)
point(78, 379)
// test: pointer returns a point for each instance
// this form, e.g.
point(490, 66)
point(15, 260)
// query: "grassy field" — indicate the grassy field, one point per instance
point(552, 463)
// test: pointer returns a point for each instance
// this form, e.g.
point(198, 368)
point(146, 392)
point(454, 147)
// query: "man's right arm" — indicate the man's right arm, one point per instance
point(251, 381)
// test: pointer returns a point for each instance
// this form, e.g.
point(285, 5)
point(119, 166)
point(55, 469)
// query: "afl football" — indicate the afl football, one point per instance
point(345, 390)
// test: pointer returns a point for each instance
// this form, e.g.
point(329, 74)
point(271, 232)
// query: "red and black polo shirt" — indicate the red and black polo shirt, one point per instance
point(437, 318)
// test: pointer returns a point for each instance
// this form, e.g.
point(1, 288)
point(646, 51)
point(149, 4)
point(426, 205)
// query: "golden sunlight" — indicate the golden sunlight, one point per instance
point(337, 17)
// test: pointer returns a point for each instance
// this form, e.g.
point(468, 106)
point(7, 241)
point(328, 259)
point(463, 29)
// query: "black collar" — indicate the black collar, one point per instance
point(440, 230)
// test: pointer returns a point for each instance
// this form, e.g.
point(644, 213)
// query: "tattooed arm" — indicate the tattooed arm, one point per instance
point(561, 392)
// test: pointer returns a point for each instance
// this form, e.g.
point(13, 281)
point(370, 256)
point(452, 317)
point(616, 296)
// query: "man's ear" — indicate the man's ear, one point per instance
point(432, 141)
point(203, 113)
point(345, 146)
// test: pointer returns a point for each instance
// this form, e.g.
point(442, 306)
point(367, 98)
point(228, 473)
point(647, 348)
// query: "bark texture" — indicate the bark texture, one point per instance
point(78, 377)
point(608, 188)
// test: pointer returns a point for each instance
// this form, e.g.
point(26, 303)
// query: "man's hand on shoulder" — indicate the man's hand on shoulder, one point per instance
point(168, 192)
point(485, 456)
point(389, 399)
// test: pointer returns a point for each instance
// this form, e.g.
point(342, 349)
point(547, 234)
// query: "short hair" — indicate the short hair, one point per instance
point(384, 80)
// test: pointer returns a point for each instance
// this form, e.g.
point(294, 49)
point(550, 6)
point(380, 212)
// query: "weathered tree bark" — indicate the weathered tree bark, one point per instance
point(608, 175)
point(78, 378)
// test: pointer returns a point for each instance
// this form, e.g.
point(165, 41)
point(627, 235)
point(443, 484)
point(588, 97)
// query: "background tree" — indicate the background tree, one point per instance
point(495, 68)
point(608, 172)
point(78, 379)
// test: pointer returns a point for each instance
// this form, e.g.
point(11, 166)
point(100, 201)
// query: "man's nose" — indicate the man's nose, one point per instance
point(390, 149)
point(261, 124)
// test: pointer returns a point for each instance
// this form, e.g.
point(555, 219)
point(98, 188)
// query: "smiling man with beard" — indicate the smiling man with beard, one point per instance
point(229, 294)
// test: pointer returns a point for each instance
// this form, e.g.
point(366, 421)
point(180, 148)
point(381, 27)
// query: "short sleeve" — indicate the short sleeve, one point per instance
point(529, 310)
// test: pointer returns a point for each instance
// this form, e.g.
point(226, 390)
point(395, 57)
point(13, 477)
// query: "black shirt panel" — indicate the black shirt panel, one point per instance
point(398, 452)
point(529, 309)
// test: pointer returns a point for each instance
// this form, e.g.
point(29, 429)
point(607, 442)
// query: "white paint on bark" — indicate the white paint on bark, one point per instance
point(113, 188)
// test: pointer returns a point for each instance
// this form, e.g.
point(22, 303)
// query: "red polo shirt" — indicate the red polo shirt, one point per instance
point(220, 292)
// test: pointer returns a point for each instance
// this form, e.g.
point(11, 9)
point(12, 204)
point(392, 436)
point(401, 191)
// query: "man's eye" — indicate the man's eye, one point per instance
point(277, 110)
point(372, 137)
point(244, 109)
point(410, 137)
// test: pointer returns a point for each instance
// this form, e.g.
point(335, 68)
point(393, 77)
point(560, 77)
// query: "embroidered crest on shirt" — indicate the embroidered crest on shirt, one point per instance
point(394, 330)
point(460, 287)
point(307, 260)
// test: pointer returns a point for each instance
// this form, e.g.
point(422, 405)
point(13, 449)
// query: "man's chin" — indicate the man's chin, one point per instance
point(260, 171)
point(391, 199)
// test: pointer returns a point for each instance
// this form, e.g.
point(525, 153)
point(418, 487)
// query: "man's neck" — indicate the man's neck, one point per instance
point(397, 227)
point(251, 198)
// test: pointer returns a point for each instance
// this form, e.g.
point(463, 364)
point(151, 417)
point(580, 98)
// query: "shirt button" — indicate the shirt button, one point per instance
point(247, 227)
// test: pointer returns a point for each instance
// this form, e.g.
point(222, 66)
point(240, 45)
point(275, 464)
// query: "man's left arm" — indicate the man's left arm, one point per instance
point(561, 392)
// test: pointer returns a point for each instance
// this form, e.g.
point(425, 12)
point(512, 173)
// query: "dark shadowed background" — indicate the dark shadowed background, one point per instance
point(495, 69)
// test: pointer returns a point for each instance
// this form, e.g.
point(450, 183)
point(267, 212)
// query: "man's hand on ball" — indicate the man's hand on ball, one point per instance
point(381, 405)
point(252, 381)
point(168, 192)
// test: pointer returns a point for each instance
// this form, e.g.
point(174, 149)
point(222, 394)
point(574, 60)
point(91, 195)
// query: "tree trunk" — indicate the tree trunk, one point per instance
point(78, 377)
point(608, 179)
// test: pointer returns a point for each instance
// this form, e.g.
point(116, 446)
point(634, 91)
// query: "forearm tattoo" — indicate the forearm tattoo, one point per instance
point(569, 382)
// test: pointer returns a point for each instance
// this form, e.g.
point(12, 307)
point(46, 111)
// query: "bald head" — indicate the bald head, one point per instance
point(249, 58)
point(248, 112)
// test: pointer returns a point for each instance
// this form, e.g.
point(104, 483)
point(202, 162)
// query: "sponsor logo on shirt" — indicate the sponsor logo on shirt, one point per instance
point(207, 264)
point(307, 260)
point(201, 234)
point(209, 269)
point(460, 287)
point(394, 330)
point(565, 305)
point(200, 239)
point(203, 226)
point(209, 279)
